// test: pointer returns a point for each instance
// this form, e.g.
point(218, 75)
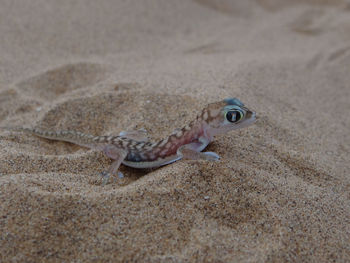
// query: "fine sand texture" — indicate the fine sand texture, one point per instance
point(281, 190)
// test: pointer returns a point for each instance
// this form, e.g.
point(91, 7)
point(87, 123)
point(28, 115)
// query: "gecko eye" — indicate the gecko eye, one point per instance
point(234, 116)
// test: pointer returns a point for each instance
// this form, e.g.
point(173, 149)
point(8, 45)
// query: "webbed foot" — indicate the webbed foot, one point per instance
point(211, 156)
point(120, 175)
point(190, 152)
point(105, 177)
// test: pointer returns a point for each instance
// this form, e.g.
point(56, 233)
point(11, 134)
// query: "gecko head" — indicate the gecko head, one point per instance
point(226, 115)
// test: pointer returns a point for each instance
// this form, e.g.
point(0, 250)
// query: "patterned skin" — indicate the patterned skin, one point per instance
point(133, 148)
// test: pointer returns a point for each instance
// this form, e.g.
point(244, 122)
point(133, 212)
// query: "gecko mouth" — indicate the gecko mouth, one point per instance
point(254, 116)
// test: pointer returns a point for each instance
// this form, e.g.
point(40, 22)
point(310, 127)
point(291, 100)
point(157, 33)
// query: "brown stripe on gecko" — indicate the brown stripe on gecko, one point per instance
point(214, 109)
point(139, 146)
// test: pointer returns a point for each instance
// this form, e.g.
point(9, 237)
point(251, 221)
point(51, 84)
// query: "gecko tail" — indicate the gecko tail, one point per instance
point(75, 137)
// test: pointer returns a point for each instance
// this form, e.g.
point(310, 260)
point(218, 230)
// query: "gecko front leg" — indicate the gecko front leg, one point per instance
point(192, 151)
point(117, 155)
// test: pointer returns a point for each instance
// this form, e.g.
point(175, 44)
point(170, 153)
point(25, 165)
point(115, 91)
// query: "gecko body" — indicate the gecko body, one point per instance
point(133, 148)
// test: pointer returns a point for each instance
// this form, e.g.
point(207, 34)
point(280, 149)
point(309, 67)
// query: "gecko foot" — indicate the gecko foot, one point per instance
point(211, 156)
point(106, 177)
point(120, 175)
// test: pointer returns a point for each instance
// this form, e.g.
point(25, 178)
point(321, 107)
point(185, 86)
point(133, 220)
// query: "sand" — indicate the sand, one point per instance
point(281, 190)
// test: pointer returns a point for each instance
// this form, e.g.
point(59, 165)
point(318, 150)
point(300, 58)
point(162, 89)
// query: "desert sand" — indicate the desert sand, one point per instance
point(280, 191)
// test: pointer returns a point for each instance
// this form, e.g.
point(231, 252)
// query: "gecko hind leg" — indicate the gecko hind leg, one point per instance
point(140, 135)
point(118, 156)
point(191, 151)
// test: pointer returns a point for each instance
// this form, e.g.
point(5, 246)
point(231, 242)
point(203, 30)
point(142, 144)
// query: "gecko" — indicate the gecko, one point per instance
point(134, 149)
